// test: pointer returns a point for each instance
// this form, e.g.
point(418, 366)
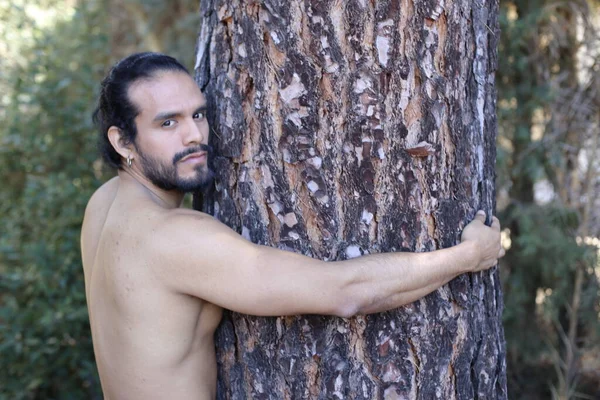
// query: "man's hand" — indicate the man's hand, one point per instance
point(485, 239)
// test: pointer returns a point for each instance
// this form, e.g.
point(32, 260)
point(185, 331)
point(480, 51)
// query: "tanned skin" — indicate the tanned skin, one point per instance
point(158, 275)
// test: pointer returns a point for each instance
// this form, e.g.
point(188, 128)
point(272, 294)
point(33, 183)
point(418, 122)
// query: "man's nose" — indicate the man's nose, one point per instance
point(194, 133)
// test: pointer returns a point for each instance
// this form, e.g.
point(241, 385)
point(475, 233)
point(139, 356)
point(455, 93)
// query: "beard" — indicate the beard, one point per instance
point(166, 177)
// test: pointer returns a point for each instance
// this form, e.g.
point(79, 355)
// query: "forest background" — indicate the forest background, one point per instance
point(53, 55)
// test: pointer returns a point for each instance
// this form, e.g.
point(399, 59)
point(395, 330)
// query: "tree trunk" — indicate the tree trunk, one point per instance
point(345, 128)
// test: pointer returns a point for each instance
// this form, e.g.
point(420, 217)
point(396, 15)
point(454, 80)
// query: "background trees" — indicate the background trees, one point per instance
point(52, 58)
point(549, 97)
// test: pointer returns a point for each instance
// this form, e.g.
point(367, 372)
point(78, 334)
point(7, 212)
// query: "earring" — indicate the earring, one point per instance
point(129, 160)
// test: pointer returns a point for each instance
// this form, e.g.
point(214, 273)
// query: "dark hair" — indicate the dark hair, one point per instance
point(114, 106)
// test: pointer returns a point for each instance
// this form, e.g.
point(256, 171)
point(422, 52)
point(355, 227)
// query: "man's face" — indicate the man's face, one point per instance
point(171, 142)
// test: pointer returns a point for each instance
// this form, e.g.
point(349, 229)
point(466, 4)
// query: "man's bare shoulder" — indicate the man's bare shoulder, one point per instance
point(185, 235)
point(175, 224)
point(94, 220)
point(102, 197)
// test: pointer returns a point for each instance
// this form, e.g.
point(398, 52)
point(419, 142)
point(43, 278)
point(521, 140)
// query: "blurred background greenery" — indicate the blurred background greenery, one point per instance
point(52, 58)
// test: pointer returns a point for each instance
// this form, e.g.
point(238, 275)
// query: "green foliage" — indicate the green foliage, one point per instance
point(540, 136)
point(55, 54)
point(47, 158)
point(543, 255)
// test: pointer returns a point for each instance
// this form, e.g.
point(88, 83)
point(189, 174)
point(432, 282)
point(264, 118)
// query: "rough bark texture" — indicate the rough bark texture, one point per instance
point(345, 128)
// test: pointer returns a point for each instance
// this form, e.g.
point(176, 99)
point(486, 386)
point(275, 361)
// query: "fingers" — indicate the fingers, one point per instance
point(480, 216)
point(496, 223)
point(492, 261)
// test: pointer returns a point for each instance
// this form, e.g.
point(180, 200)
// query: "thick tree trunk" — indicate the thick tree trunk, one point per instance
point(345, 128)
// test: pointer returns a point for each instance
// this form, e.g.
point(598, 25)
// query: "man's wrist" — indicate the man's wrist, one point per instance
point(470, 254)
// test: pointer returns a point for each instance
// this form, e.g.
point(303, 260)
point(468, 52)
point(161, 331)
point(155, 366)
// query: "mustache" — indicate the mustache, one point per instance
point(202, 147)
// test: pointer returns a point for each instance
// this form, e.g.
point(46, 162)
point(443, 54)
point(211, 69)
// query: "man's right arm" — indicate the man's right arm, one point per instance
point(199, 256)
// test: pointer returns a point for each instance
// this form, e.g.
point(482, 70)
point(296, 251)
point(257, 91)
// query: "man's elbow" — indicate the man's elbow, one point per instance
point(351, 293)
point(348, 303)
point(347, 310)
point(361, 301)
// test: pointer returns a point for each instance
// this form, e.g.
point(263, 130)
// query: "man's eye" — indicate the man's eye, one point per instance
point(199, 115)
point(168, 123)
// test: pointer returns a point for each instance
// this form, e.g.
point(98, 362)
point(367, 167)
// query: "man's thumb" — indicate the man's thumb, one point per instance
point(480, 216)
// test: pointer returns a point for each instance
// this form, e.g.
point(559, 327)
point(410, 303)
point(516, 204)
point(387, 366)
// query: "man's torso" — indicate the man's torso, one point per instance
point(149, 341)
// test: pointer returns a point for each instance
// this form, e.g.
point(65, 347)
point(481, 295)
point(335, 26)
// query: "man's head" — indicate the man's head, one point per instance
point(151, 111)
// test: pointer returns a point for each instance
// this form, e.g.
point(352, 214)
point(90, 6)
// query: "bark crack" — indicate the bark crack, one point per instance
point(227, 23)
point(414, 359)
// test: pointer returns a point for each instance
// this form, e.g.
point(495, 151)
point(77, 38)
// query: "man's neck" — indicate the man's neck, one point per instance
point(164, 198)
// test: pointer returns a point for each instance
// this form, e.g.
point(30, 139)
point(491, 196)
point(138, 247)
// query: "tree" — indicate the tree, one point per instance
point(347, 128)
point(161, 26)
point(548, 96)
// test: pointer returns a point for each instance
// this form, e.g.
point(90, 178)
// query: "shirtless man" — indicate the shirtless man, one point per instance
point(157, 275)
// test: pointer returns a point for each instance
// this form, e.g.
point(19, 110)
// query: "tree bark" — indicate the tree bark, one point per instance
point(344, 128)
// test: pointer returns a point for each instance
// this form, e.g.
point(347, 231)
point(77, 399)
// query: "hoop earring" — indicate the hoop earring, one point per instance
point(129, 161)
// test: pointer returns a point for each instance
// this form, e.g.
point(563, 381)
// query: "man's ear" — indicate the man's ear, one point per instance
point(115, 138)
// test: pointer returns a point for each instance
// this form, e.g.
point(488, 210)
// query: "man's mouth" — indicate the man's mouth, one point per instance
point(201, 155)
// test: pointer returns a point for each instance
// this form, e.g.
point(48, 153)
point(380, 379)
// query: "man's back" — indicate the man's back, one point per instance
point(150, 342)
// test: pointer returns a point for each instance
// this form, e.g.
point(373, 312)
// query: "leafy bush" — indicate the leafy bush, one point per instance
point(49, 168)
point(545, 130)
point(55, 54)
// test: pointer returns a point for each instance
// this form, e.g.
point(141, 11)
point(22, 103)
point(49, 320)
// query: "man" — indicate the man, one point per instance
point(157, 275)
